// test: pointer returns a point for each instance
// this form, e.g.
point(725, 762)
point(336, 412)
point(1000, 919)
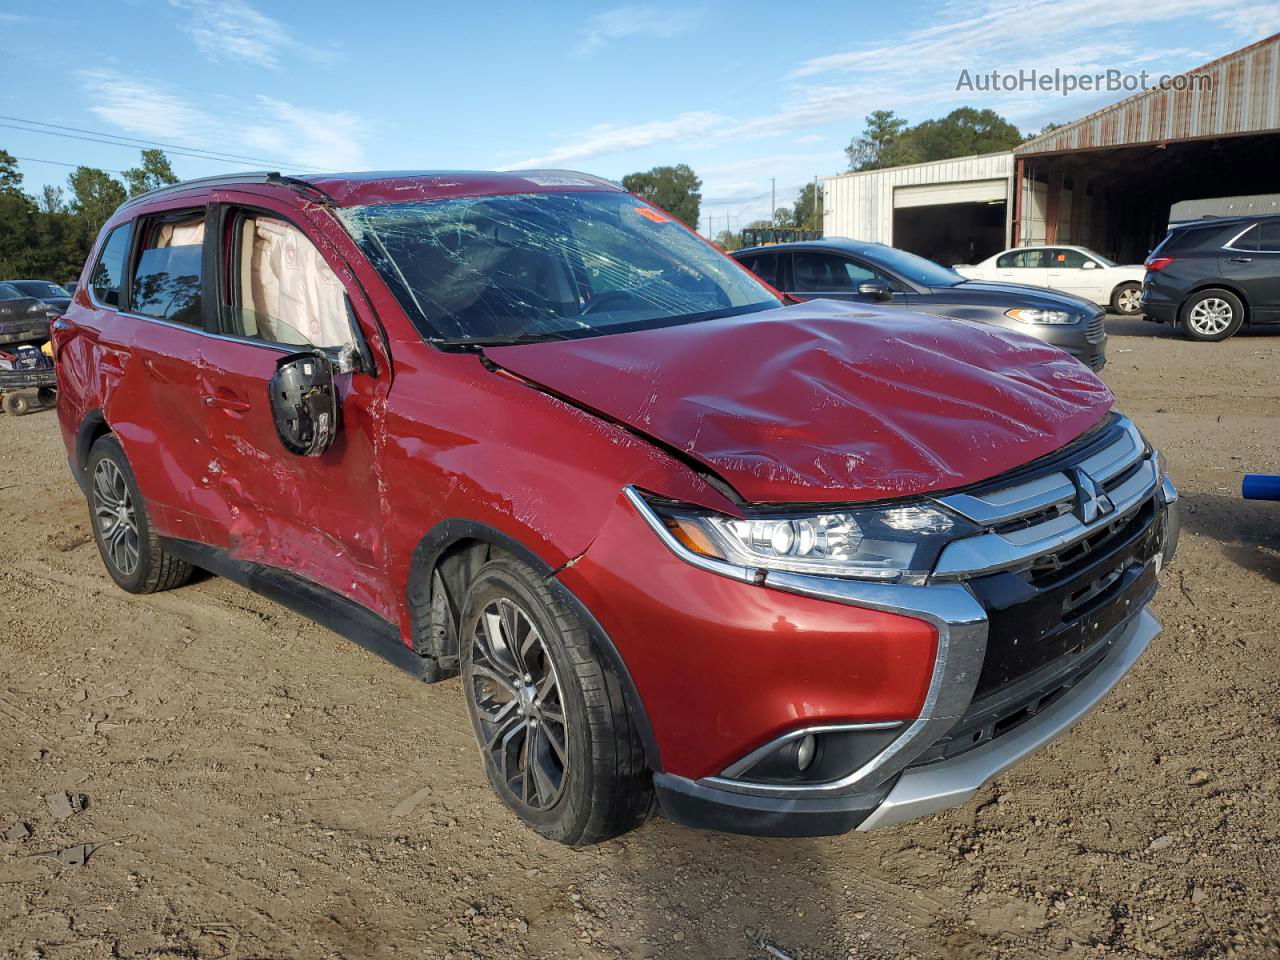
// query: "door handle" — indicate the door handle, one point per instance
point(1242, 259)
point(222, 402)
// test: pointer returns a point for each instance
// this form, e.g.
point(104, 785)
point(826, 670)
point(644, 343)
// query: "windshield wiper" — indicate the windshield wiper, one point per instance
point(508, 341)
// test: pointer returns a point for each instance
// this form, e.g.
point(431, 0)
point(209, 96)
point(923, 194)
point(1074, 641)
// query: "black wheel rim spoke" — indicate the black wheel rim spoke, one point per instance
point(516, 699)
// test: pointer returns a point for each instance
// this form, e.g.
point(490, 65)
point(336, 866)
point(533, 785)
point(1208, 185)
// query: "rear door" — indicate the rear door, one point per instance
point(822, 274)
point(279, 294)
point(1028, 266)
point(1252, 262)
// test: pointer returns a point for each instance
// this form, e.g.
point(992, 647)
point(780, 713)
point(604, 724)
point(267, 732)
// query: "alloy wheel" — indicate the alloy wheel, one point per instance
point(114, 514)
point(1210, 316)
point(516, 696)
point(1129, 300)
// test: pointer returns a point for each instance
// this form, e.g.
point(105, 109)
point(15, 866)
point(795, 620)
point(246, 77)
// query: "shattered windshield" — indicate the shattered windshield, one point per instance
point(547, 266)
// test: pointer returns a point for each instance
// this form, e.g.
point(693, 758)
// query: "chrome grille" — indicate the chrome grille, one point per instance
point(1096, 331)
point(1033, 522)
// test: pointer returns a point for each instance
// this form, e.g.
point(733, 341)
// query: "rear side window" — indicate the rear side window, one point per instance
point(108, 273)
point(764, 266)
point(282, 288)
point(1269, 236)
point(1024, 259)
point(167, 277)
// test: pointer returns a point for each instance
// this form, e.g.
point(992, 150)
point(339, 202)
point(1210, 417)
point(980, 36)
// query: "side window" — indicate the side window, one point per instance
point(282, 290)
point(107, 277)
point(1024, 259)
point(1247, 240)
point(1269, 236)
point(764, 266)
point(822, 273)
point(167, 275)
point(1066, 259)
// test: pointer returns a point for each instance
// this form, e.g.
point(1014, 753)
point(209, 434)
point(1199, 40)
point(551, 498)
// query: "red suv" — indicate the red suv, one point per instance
point(791, 569)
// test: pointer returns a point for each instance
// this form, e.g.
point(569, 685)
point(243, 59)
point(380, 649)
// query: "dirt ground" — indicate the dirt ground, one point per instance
point(261, 788)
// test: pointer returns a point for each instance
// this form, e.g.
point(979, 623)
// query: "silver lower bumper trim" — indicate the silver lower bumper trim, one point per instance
point(950, 783)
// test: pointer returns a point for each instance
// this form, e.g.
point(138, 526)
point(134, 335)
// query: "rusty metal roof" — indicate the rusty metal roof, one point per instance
point(1242, 96)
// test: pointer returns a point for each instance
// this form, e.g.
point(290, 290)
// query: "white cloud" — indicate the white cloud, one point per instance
point(234, 30)
point(615, 138)
point(323, 139)
point(278, 130)
point(1252, 22)
point(623, 23)
point(140, 106)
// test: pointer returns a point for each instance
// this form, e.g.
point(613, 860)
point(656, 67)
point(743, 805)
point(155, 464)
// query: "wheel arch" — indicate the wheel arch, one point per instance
point(439, 572)
point(1218, 284)
point(93, 426)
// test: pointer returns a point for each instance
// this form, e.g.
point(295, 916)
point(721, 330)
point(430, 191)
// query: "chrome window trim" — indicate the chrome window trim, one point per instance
point(1230, 244)
point(755, 756)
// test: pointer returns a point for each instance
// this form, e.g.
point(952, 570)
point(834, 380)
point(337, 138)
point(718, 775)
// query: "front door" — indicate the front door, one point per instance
point(319, 517)
point(1067, 273)
point(1028, 266)
point(818, 274)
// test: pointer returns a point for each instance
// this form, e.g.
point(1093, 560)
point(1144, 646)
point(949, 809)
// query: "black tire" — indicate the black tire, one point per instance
point(604, 787)
point(110, 484)
point(1203, 316)
point(16, 404)
point(47, 395)
point(1126, 299)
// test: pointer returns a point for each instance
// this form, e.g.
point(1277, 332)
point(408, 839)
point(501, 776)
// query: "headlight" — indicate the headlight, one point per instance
point(892, 543)
point(36, 308)
point(1038, 316)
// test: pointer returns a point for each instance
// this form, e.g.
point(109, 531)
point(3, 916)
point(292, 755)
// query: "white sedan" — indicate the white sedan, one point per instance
point(1075, 270)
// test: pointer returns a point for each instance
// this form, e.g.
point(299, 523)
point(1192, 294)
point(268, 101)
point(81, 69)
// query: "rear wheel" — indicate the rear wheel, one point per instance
point(16, 404)
point(1127, 298)
point(1212, 315)
point(129, 547)
point(555, 736)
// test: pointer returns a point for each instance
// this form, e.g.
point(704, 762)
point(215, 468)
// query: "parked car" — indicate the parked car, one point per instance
point(1078, 271)
point(1209, 278)
point(23, 319)
point(872, 273)
point(793, 569)
point(54, 297)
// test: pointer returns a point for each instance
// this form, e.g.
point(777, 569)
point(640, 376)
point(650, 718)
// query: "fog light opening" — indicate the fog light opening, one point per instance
point(805, 751)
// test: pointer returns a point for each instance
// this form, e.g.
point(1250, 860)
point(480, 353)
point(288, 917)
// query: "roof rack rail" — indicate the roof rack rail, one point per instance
point(273, 177)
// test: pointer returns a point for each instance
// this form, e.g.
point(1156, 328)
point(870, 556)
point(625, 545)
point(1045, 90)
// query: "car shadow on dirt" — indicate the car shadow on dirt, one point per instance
point(702, 894)
point(1248, 531)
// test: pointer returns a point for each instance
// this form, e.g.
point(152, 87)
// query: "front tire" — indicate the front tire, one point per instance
point(555, 736)
point(1212, 315)
point(1126, 299)
point(129, 547)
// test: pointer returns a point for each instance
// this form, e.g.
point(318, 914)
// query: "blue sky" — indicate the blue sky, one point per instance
point(741, 91)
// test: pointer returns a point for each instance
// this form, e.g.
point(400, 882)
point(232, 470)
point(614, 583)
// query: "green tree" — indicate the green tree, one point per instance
point(784, 217)
point(95, 196)
point(10, 175)
point(154, 172)
point(675, 189)
point(875, 147)
point(52, 199)
point(727, 240)
point(888, 141)
point(964, 132)
point(807, 213)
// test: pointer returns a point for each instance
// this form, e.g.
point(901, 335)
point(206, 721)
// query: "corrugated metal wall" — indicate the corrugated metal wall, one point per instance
point(1243, 96)
point(860, 205)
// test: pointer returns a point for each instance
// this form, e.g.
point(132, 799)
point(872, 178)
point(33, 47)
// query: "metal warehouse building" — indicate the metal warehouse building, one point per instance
point(1106, 181)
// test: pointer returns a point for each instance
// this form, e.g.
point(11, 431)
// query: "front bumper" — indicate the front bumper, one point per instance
point(918, 791)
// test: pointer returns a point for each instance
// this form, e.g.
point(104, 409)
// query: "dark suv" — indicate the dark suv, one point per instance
point(1210, 277)
point(793, 569)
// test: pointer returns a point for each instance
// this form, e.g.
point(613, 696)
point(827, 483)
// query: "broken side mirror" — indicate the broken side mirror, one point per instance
point(304, 403)
point(875, 289)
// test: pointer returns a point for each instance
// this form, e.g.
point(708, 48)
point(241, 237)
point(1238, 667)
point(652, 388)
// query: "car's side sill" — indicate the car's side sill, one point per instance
point(332, 610)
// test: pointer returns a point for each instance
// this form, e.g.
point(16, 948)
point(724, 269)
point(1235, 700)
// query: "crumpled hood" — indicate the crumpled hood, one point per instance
point(826, 402)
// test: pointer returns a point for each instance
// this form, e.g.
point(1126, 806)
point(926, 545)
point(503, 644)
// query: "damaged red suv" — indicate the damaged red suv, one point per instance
point(790, 569)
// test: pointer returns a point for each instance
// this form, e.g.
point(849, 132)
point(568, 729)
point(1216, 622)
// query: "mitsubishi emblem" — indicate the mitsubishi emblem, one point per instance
point(1092, 501)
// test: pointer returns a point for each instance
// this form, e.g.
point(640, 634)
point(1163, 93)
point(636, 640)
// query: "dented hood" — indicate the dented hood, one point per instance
point(824, 402)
